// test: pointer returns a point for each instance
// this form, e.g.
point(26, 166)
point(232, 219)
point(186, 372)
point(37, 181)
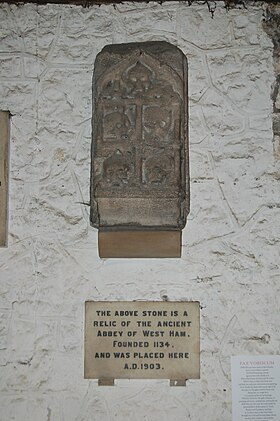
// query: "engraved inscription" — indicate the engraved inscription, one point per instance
point(148, 340)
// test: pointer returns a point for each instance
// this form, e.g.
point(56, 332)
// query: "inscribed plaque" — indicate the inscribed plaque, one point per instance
point(140, 133)
point(148, 340)
point(255, 387)
point(4, 157)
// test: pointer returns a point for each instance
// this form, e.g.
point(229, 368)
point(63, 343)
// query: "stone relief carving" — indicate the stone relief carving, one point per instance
point(158, 170)
point(117, 170)
point(157, 125)
point(116, 126)
point(139, 136)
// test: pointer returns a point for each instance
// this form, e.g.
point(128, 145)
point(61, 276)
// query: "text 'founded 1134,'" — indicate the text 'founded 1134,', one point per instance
point(148, 340)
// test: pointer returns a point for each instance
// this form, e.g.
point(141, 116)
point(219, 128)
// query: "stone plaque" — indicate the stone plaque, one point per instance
point(4, 159)
point(142, 340)
point(139, 178)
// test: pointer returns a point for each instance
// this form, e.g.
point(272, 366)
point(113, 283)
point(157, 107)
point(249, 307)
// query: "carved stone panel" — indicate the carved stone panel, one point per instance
point(139, 159)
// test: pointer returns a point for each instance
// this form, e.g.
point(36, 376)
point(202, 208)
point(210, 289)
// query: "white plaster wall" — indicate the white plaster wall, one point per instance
point(230, 257)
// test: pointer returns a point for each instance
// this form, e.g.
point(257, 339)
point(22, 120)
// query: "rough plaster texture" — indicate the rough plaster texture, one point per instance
point(230, 257)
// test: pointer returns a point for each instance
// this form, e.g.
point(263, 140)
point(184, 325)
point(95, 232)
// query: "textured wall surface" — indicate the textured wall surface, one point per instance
point(271, 25)
point(230, 257)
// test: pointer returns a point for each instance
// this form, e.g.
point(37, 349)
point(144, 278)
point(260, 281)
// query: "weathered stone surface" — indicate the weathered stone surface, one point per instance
point(139, 137)
point(230, 253)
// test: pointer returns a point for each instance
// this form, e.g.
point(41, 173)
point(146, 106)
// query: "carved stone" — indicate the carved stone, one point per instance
point(140, 131)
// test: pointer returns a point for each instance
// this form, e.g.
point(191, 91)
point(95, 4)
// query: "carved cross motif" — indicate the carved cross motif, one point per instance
point(139, 156)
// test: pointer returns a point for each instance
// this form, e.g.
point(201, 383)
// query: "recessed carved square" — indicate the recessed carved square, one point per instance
point(139, 175)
